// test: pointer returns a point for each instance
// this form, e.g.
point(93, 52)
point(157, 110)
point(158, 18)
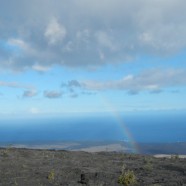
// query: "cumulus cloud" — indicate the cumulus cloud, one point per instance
point(73, 88)
point(18, 43)
point(55, 32)
point(72, 84)
point(105, 41)
point(52, 94)
point(76, 88)
point(29, 93)
point(88, 33)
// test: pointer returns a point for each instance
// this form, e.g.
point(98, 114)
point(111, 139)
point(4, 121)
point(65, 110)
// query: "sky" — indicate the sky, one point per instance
point(90, 56)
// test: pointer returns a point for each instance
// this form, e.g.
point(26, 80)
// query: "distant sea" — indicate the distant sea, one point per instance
point(140, 127)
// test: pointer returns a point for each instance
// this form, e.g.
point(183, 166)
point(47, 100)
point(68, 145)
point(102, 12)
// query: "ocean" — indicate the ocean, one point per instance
point(139, 127)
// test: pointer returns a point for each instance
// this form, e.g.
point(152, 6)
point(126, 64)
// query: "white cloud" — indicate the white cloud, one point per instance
point(18, 43)
point(89, 33)
point(68, 47)
point(40, 68)
point(9, 84)
point(29, 93)
point(15, 85)
point(29, 90)
point(55, 32)
point(22, 45)
point(83, 36)
point(150, 80)
point(52, 94)
point(105, 41)
point(34, 110)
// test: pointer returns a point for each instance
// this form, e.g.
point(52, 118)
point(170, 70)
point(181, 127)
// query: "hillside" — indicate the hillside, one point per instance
point(26, 167)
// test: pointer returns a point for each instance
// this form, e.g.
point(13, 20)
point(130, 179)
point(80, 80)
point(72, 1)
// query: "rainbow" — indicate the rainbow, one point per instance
point(126, 132)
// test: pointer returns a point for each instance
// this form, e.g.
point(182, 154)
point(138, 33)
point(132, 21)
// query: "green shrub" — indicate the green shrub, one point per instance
point(51, 175)
point(127, 178)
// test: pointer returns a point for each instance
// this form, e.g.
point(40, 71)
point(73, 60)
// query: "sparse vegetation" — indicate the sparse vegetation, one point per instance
point(148, 164)
point(4, 153)
point(148, 167)
point(30, 167)
point(174, 156)
point(147, 160)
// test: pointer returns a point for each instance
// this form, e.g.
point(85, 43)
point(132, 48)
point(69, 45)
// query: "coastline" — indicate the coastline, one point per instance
point(158, 149)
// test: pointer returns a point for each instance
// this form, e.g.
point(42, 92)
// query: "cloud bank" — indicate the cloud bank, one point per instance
point(153, 81)
point(89, 33)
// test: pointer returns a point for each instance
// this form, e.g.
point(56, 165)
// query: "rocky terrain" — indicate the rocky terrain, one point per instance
point(26, 167)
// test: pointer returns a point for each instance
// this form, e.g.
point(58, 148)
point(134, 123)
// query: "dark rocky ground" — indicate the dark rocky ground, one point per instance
point(26, 167)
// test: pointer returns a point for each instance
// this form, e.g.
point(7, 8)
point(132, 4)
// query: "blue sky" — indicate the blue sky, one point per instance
point(59, 57)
